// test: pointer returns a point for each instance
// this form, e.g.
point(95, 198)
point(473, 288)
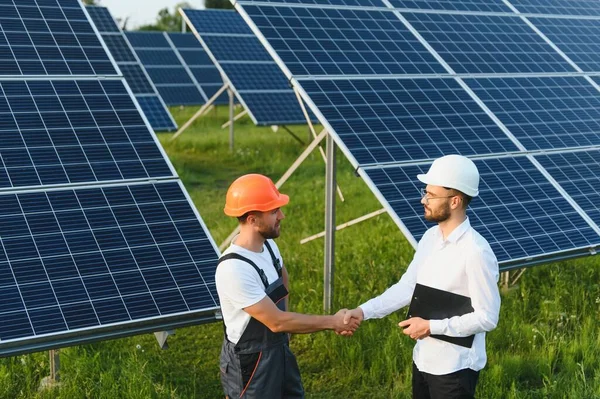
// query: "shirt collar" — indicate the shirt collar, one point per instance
point(456, 234)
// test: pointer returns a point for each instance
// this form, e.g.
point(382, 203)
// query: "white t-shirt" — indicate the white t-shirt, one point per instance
point(240, 286)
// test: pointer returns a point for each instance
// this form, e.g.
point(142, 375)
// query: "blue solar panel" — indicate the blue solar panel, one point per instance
point(453, 5)
point(487, 43)
point(61, 131)
point(518, 210)
point(237, 48)
point(315, 41)
point(396, 120)
point(132, 70)
point(352, 3)
point(174, 81)
point(47, 38)
point(579, 39)
point(255, 77)
point(77, 259)
point(544, 112)
point(204, 71)
point(578, 173)
point(119, 49)
point(137, 80)
point(559, 7)
point(103, 20)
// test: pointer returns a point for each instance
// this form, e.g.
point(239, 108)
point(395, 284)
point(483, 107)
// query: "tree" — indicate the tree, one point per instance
point(167, 21)
point(91, 2)
point(218, 4)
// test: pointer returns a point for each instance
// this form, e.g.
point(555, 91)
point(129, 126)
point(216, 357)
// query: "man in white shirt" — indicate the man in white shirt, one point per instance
point(252, 284)
point(454, 258)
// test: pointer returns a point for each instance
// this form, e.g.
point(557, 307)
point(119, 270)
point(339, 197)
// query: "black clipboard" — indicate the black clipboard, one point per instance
point(433, 304)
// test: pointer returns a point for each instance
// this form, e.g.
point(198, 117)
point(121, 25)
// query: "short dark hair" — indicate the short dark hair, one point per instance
point(466, 199)
point(244, 218)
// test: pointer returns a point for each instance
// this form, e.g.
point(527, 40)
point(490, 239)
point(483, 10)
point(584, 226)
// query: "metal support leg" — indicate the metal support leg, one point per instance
point(231, 105)
point(330, 186)
point(54, 365)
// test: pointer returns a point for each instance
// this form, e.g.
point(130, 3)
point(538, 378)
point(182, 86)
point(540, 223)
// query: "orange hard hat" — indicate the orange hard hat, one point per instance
point(253, 192)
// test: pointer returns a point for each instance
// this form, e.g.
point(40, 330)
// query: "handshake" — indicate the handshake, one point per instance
point(347, 321)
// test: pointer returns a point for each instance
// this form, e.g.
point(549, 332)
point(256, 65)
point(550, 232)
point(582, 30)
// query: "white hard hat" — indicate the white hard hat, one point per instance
point(453, 171)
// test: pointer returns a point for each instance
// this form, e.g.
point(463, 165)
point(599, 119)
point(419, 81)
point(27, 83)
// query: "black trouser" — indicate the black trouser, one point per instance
point(458, 385)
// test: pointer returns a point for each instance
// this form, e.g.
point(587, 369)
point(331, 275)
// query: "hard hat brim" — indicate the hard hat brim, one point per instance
point(277, 203)
point(425, 178)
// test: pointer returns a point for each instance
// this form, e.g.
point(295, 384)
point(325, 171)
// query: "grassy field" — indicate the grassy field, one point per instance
point(547, 344)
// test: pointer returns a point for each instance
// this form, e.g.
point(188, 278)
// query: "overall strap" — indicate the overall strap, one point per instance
point(260, 272)
point(276, 261)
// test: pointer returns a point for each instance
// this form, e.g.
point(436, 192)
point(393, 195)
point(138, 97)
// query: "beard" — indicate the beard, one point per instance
point(440, 215)
point(269, 232)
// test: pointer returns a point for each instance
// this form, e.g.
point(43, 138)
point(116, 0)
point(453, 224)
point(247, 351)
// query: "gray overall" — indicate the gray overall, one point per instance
point(261, 365)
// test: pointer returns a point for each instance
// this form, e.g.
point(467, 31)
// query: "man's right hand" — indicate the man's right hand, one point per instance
point(343, 326)
point(351, 316)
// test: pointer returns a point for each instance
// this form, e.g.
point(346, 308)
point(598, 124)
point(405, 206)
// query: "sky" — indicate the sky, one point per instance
point(142, 12)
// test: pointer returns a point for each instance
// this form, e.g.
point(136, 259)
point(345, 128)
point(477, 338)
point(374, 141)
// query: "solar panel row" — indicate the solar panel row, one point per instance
point(384, 83)
point(152, 105)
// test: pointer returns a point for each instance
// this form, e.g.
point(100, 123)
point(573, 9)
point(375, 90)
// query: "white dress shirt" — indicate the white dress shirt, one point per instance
point(464, 264)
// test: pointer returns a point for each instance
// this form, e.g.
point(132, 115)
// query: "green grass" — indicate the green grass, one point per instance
point(547, 344)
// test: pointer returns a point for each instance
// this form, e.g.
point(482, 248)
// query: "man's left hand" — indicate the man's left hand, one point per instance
point(415, 327)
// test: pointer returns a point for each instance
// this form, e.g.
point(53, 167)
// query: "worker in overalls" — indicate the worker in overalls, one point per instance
point(252, 283)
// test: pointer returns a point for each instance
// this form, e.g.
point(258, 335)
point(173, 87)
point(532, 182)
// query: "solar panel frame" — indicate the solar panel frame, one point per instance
point(135, 74)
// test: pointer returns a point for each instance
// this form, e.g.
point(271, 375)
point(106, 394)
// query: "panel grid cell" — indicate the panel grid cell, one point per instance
point(315, 41)
point(578, 173)
point(518, 211)
point(579, 39)
point(134, 73)
point(205, 72)
point(83, 258)
point(487, 43)
point(253, 73)
point(544, 112)
point(61, 132)
point(452, 5)
point(168, 74)
point(558, 7)
point(398, 120)
point(48, 38)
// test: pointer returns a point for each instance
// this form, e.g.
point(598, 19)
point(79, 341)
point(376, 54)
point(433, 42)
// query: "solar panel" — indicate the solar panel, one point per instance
point(577, 38)
point(50, 38)
point(518, 211)
point(98, 238)
point(254, 76)
point(452, 5)
point(397, 120)
point(200, 64)
point(72, 131)
point(173, 80)
point(558, 7)
point(544, 112)
point(519, 106)
point(578, 173)
point(323, 41)
point(83, 258)
point(487, 44)
point(158, 115)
